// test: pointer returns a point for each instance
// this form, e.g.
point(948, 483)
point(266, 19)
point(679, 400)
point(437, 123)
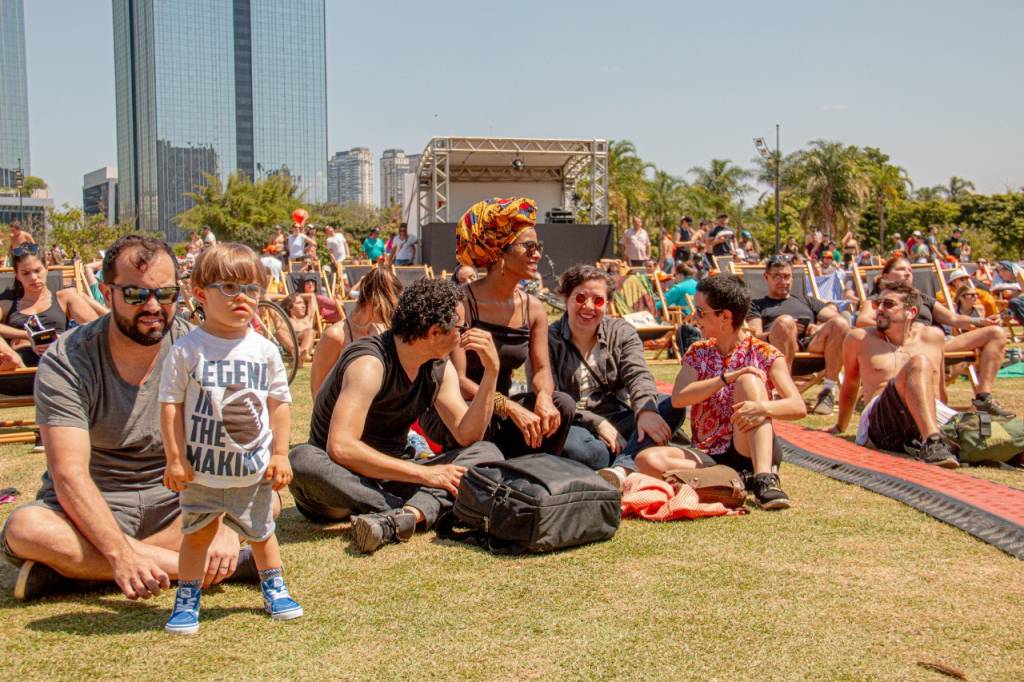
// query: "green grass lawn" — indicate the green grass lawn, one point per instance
point(845, 585)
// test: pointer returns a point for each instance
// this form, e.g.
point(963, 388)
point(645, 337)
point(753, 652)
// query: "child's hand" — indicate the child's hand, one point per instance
point(279, 470)
point(177, 474)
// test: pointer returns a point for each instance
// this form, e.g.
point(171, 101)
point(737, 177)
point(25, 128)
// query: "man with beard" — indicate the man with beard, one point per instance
point(899, 364)
point(102, 513)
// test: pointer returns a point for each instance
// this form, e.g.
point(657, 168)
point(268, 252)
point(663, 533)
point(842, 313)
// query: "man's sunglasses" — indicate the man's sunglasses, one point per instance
point(138, 295)
point(598, 301)
point(233, 289)
point(25, 250)
point(886, 303)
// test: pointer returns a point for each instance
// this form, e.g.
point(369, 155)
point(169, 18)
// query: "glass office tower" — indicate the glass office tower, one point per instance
point(214, 87)
point(13, 92)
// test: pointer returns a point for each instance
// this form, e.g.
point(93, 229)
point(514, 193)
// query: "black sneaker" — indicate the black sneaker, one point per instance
point(935, 451)
point(370, 531)
point(37, 580)
point(768, 493)
point(991, 406)
point(826, 404)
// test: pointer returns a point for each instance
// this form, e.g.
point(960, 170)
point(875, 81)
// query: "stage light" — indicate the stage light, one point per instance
point(518, 165)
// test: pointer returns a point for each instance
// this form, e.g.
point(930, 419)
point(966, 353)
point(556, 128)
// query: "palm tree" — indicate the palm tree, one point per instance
point(664, 199)
point(888, 183)
point(626, 181)
point(831, 177)
point(958, 189)
point(933, 193)
point(722, 180)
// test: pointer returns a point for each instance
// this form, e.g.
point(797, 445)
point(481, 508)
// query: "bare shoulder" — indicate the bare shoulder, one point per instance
point(365, 374)
point(932, 335)
point(857, 335)
point(336, 333)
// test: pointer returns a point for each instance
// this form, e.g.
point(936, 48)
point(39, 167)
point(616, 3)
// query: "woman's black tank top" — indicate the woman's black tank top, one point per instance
point(52, 318)
point(512, 344)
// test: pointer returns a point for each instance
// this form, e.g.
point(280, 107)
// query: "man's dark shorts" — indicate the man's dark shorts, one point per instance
point(139, 513)
point(890, 424)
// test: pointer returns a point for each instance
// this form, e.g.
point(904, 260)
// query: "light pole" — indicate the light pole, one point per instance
point(762, 149)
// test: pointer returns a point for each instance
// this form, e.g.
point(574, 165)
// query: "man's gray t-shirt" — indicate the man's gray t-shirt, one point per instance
point(77, 385)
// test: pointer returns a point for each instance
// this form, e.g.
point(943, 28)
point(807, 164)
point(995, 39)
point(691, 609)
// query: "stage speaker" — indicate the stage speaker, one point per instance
point(559, 215)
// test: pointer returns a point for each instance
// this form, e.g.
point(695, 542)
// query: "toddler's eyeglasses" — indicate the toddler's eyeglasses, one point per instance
point(233, 289)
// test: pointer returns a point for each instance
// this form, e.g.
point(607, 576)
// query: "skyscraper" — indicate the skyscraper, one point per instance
point(393, 167)
point(350, 177)
point(99, 193)
point(215, 87)
point(13, 92)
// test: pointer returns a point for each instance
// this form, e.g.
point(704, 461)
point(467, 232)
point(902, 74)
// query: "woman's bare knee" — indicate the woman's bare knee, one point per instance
point(657, 460)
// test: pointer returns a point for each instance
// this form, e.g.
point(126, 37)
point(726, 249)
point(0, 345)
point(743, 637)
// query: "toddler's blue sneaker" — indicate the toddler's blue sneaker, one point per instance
point(276, 600)
point(184, 618)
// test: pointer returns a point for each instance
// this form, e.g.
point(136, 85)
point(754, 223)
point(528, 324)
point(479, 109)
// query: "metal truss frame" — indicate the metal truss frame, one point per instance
point(576, 162)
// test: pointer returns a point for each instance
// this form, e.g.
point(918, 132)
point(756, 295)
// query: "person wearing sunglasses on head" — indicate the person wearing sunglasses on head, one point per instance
point(599, 362)
point(18, 237)
point(33, 316)
point(499, 235)
point(898, 367)
point(103, 513)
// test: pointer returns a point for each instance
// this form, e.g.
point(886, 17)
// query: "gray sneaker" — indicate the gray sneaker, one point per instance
point(935, 451)
point(616, 476)
point(826, 404)
point(991, 406)
point(370, 531)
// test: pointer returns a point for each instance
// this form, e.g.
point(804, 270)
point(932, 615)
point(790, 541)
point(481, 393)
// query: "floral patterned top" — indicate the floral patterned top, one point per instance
point(709, 420)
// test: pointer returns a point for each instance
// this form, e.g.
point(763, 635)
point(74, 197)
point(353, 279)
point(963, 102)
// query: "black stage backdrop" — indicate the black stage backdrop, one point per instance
point(564, 245)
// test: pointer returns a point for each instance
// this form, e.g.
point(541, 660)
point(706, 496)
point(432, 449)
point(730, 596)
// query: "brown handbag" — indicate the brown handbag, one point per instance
point(718, 483)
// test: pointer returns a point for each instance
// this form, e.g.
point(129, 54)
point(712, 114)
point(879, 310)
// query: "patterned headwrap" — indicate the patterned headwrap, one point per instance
point(489, 226)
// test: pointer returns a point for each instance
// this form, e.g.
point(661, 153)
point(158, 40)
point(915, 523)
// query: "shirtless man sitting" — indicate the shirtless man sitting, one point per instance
point(899, 364)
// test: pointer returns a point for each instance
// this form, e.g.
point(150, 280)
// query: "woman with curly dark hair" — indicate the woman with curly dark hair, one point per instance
point(499, 235)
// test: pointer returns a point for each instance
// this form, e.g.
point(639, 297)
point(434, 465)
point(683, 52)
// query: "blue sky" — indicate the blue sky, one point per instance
point(934, 84)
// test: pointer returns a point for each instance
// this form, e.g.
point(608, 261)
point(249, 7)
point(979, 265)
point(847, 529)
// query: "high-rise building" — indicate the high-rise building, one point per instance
point(215, 87)
point(350, 177)
point(393, 167)
point(13, 92)
point(99, 193)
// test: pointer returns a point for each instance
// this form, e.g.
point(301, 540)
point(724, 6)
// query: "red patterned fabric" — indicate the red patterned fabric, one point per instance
point(712, 431)
point(648, 498)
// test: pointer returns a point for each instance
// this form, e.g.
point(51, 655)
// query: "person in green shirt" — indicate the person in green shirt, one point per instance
point(685, 284)
point(373, 246)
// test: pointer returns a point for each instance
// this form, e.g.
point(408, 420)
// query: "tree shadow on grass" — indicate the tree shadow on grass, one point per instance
point(119, 617)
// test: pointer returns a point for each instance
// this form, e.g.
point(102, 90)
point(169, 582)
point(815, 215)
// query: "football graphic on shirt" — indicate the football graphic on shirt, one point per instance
point(242, 413)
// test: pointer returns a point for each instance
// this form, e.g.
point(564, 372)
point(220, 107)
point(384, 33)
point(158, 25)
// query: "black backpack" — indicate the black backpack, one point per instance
point(535, 503)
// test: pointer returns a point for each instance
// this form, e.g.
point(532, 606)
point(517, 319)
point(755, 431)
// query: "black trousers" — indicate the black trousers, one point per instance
point(325, 491)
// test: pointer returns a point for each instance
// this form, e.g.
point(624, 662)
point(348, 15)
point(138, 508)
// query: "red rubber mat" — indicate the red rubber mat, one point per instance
point(992, 512)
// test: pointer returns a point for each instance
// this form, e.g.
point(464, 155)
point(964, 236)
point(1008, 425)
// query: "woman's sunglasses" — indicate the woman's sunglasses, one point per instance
point(598, 301)
point(530, 246)
point(25, 250)
point(138, 295)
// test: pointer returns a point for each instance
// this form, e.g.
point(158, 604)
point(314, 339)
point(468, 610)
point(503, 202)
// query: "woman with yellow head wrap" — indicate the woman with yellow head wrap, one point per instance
point(499, 235)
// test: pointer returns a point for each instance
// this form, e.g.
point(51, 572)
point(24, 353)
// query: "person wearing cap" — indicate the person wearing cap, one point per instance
point(954, 246)
point(722, 237)
point(1007, 285)
point(373, 245)
point(917, 248)
point(958, 279)
point(897, 243)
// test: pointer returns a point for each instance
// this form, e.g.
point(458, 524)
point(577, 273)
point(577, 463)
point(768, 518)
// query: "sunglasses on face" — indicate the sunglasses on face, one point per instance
point(25, 250)
point(700, 313)
point(531, 246)
point(138, 295)
point(886, 303)
point(233, 289)
point(581, 299)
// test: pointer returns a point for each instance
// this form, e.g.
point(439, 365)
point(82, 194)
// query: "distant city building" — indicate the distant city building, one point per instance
point(99, 193)
point(13, 93)
point(393, 166)
point(350, 177)
point(29, 212)
point(414, 162)
point(216, 87)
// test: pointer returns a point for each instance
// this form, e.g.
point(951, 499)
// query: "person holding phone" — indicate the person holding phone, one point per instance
point(32, 316)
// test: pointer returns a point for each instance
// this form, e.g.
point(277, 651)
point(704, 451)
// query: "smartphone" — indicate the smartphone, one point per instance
point(42, 337)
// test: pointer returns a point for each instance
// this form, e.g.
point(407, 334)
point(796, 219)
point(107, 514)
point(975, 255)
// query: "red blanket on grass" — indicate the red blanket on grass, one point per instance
point(648, 498)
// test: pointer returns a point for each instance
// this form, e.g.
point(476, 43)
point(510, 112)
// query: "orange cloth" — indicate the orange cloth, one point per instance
point(648, 498)
point(489, 226)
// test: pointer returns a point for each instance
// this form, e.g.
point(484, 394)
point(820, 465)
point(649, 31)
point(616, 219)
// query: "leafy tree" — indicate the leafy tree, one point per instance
point(958, 189)
point(84, 235)
point(933, 193)
point(1001, 215)
point(724, 182)
point(887, 182)
point(831, 177)
point(626, 182)
point(665, 200)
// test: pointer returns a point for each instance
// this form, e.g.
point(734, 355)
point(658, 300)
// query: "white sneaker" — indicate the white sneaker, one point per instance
point(614, 475)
